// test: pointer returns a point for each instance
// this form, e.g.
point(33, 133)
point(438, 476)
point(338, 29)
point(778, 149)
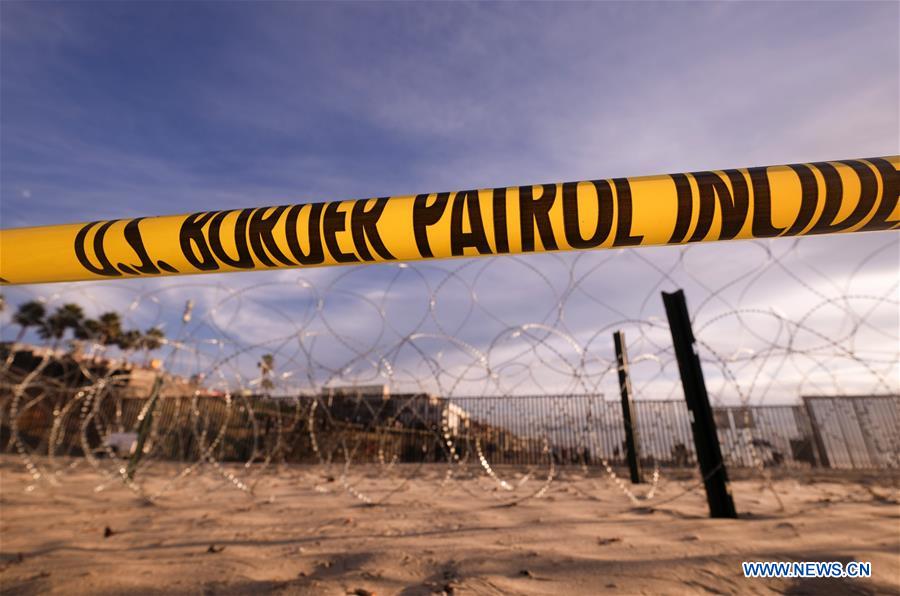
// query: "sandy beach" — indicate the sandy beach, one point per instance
point(302, 532)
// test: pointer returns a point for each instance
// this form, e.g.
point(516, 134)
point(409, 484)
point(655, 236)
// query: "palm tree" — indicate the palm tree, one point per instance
point(104, 330)
point(128, 340)
point(151, 340)
point(88, 330)
point(29, 314)
point(54, 327)
point(266, 365)
point(109, 328)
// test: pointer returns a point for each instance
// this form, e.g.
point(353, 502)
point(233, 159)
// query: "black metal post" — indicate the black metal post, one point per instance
point(632, 439)
point(703, 424)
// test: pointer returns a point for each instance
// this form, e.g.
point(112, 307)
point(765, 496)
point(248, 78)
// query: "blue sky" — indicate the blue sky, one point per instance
point(119, 109)
point(123, 109)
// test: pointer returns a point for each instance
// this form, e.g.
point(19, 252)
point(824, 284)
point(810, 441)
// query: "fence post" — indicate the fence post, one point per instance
point(703, 425)
point(632, 438)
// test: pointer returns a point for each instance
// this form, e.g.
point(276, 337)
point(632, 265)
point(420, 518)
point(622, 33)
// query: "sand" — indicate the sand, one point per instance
point(301, 532)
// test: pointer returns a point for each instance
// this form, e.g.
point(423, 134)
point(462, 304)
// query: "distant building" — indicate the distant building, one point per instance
point(139, 380)
point(375, 406)
point(76, 369)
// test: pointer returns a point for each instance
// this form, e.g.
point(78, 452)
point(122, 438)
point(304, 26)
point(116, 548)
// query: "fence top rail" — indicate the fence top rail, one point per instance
point(469, 399)
point(857, 397)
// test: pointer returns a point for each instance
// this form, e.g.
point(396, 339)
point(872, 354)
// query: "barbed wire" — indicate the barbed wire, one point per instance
point(295, 366)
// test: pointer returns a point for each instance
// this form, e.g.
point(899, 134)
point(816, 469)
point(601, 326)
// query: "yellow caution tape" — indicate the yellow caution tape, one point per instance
point(858, 195)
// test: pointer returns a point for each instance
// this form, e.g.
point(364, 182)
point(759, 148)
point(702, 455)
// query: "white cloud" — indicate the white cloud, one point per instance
point(303, 102)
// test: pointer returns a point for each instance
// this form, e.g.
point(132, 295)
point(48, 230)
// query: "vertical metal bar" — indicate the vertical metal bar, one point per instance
point(843, 420)
point(703, 424)
point(648, 445)
point(595, 431)
point(535, 439)
point(822, 452)
point(865, 426)
point(609, 441)
point(544, 429)
point(515, 444)
point(547, 427)
point(659, 422)
point(573, 421)
point(585, 442)
point(568, 420)
point(629, 418)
